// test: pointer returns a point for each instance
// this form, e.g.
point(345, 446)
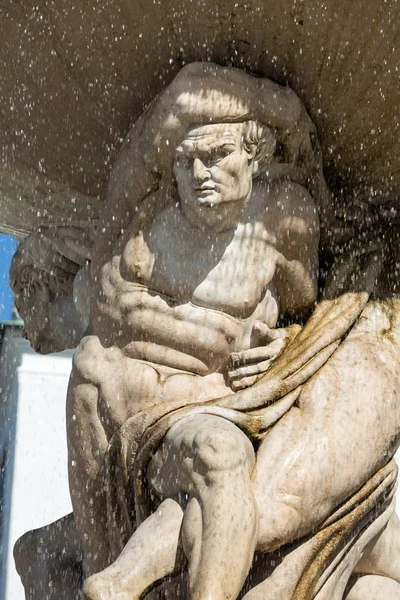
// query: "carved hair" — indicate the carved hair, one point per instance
point(37, 263)
point(259, 140)
point(57, 282)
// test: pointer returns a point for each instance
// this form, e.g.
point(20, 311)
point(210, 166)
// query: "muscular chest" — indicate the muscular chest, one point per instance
point(228, 271)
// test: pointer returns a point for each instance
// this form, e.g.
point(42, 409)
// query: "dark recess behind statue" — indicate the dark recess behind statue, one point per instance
point(75, 77)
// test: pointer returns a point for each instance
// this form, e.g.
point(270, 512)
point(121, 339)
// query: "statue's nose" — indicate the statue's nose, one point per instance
point(200, 171)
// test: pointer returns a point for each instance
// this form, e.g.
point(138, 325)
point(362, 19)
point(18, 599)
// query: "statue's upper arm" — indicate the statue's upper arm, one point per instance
point(297, 235)
point(298, 228)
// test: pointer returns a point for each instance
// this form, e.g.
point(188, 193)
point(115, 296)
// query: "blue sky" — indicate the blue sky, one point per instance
point(8, 246)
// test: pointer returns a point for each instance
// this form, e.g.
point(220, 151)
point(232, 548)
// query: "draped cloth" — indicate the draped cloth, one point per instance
point(255, 410)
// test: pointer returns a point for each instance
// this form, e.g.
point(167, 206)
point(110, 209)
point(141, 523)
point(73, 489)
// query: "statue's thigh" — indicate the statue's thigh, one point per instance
point(345, 428)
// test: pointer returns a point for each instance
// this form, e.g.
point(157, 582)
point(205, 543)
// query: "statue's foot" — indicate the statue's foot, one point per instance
point(107, 586)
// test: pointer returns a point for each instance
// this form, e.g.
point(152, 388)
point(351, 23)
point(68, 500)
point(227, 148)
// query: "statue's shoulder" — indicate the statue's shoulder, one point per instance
point(288, 212)
point(290, 195)
point(283, 198)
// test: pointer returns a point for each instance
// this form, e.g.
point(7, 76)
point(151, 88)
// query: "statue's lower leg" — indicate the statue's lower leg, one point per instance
point(151, 553)
point(219, 541)
point(210, 460)
point(382, 555)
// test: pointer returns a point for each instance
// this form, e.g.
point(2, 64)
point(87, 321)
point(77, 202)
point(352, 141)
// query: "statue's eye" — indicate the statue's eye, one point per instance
point(182, 160)
point(218, 154)
point(212, 158)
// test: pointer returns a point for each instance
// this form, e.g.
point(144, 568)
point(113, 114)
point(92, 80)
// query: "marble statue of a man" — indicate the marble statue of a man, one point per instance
point(203, 429)
point(205, 280)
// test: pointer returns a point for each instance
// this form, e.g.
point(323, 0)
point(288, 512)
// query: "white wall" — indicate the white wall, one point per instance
point(39, 488)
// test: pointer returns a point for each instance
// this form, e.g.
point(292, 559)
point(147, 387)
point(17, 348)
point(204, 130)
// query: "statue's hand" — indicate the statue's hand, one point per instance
point(246, 367)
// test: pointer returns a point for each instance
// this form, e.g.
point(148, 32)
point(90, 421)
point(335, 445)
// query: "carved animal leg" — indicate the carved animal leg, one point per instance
point(150, 554)
point(382, 555)
point(210, 459)
point(315, 456)
point(374, 587)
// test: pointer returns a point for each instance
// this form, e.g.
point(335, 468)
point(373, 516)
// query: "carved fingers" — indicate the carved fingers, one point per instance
point(266, 335)
point(249, 365)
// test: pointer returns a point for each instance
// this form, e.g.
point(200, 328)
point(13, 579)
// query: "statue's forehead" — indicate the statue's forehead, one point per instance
point(221, 132)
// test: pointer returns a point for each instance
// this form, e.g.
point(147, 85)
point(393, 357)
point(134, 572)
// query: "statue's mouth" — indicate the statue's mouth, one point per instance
point(204, 192)
point(205, 189)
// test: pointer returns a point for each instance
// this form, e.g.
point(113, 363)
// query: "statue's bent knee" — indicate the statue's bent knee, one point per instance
point(221, 448)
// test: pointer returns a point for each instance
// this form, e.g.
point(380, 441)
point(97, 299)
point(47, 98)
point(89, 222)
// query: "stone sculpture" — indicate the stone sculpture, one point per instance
point(216, 431)
point(50, 278)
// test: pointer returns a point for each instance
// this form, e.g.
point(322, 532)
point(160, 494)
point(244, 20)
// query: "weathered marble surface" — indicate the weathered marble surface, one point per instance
point(207, 436)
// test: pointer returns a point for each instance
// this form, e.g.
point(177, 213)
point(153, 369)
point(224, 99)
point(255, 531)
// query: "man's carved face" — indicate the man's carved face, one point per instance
point(32, 299)
point(214, 174)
